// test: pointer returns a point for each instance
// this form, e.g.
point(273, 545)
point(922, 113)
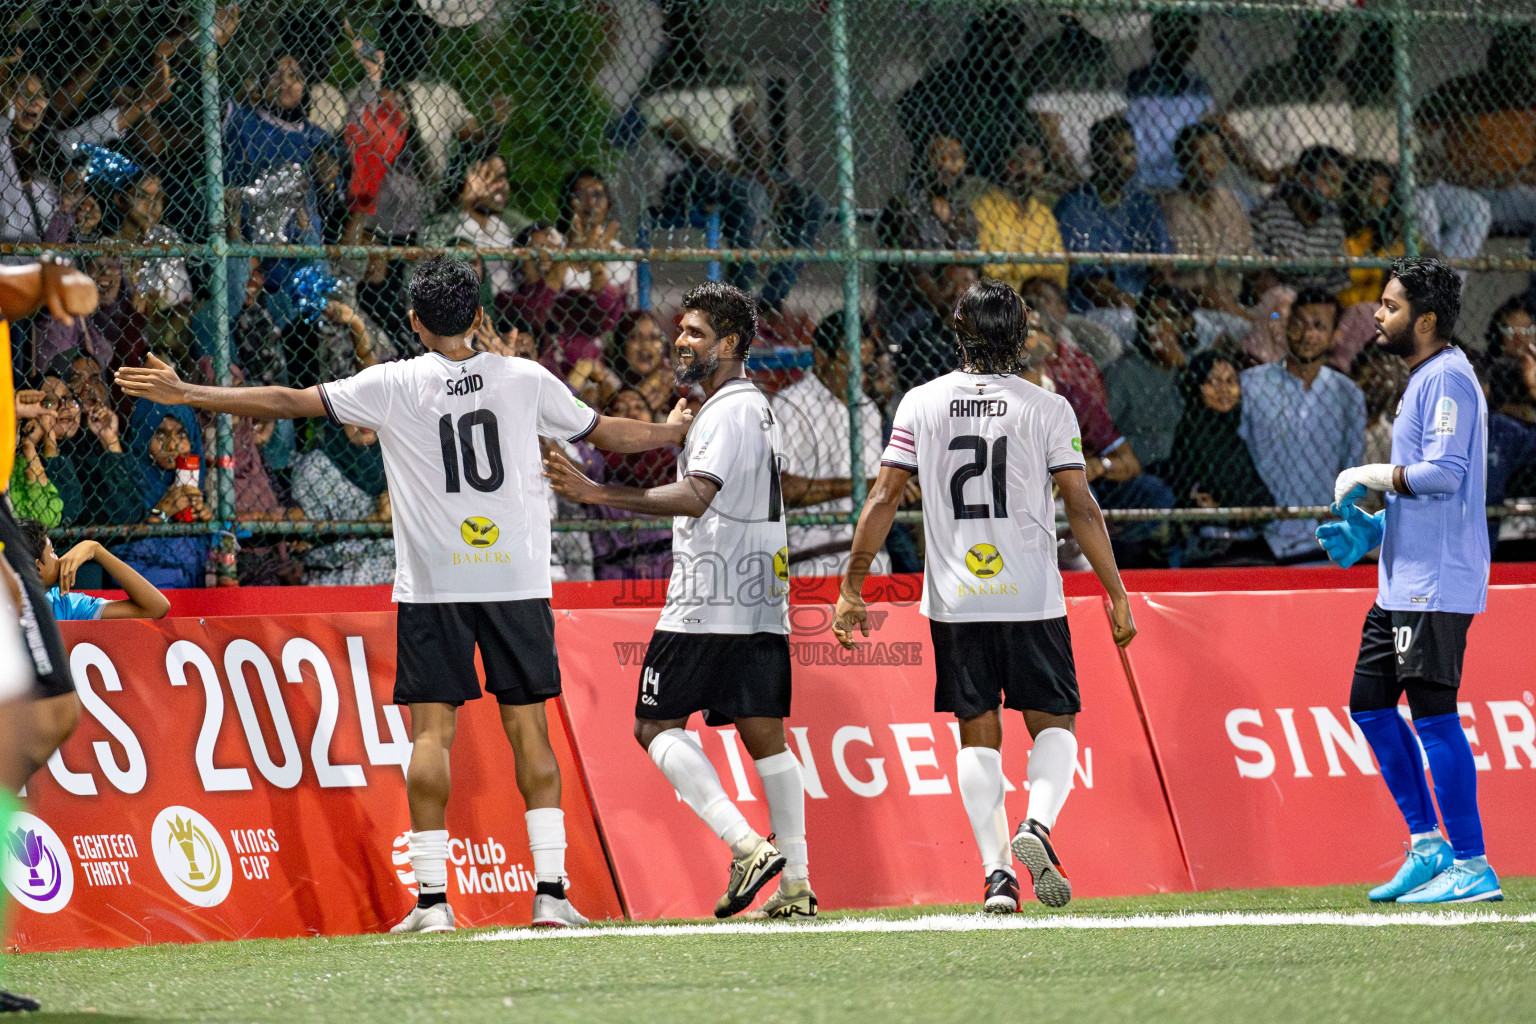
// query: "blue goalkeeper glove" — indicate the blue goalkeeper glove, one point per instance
point(1348, 540)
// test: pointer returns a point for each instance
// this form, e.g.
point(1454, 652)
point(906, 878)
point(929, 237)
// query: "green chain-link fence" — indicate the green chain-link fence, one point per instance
point(1198, 200)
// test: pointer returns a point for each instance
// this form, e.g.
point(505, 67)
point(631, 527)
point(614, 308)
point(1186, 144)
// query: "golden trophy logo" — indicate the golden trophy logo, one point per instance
point(189, 837)
point(191, 856)
point(479, 532)
point(984, 561)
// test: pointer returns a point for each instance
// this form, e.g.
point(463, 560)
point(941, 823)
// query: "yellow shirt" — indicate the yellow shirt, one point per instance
point(1006, 225)
point(1365, 285)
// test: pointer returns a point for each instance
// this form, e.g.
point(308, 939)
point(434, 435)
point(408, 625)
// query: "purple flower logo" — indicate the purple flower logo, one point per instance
point(28, 848)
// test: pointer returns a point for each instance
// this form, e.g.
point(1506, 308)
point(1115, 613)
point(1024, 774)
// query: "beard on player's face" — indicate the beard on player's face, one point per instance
point(693, 368)
point(1399, 342)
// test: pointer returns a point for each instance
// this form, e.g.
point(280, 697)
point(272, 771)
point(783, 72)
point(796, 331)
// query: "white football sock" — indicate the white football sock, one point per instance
point(784, 785)
point(1050, 774)
point(695, 779)
point(429, 860)
point(546, 841)
point(981, 790)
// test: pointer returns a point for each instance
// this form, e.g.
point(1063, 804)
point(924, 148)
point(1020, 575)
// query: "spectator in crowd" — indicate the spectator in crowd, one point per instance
point(1373, 226)
point(1305, 78)
point(161, 285)
point(1165, 95)
point(1072, 84)
point(1110, 214)
point(537, 281)
point(60, 575)
point(1511, 383)
point(479, 189)
point(587, 221)
point(1210, 466)
point(977, 98)
point(1206, 219)
point(1099, 343)
point(40, 467)
point(1511, 330)
point(122, 326)
point(921, 342)
point(1144, 395)
point(631, 554)
point(342, 479)
point(160, 435)
point(641, 347)
point(1454, 219)
point(1304, 423)
point(267, 137)
point(1486, 124)
point(107, 473)
point(573, 351)
point(746, 188)
point(1011, 216)
point(1301, 220)
point(28, 158)
point(934, 212)
point(814, 427)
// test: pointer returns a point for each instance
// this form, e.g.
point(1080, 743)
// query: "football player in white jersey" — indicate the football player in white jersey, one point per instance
point(989, 445)
point(460, 431)
point(721, 645)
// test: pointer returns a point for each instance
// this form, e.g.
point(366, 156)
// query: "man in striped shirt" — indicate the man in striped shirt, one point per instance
point(1301, 220)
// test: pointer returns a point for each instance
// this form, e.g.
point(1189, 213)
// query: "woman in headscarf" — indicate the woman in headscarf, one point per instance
point(1210, 466)
point(343, 480)
point(159, 435)
point(631, 554)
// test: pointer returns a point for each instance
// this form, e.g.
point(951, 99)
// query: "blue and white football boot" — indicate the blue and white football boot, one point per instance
point(1468, 881)
point(1427, 857)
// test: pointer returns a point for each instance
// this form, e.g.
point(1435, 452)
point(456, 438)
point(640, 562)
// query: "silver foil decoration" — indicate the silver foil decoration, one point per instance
point(164, 279)
point(273, 203)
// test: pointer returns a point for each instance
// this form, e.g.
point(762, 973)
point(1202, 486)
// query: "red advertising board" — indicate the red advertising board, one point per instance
point(243, 777)
point(1247, 697)
point(884, 818)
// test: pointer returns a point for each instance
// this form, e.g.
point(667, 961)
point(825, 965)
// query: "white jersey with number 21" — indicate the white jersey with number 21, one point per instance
point(984, 447)
point(461, 452)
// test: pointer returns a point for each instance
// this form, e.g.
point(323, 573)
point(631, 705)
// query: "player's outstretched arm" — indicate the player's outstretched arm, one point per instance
point(1087, 524)
point(157, 382)
point(619, 434)
point(689, 497)
point(868, 538)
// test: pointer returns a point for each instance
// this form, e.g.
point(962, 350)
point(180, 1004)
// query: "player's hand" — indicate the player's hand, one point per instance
point(71, 561)
point(155, 380)
point(850, 612)
point(29, 404)
point(1348, 541)
point(1352, 484)
point(1121, 622)
point(681, 415)
point(566, 480)
point(66, 291)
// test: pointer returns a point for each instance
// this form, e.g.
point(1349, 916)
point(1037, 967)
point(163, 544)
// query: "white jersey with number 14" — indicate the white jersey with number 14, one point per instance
point(984, 447)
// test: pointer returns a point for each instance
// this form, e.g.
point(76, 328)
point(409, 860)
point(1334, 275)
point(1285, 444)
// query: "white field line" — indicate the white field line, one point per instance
point(980, 923)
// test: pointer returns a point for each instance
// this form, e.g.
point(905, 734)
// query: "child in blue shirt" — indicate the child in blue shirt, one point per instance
point(58, 574)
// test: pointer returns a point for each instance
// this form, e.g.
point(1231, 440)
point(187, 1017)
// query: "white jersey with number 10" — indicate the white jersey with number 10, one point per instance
point(984, 447)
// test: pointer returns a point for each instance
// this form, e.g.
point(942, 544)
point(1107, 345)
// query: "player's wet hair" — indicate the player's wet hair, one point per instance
point(1431, 287)
point(445, 293)
point(35, 534)
point(729, 311)
point(991, 322)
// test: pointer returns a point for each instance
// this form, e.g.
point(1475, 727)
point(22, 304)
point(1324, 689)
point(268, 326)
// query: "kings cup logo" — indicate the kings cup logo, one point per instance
point(191, 855)
point(37, 869)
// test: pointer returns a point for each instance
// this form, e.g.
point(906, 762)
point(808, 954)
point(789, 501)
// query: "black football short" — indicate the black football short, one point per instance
point(1398, 646)
point(1026, 666)
point(725, 675)
point(435, 652)
point(39, 632)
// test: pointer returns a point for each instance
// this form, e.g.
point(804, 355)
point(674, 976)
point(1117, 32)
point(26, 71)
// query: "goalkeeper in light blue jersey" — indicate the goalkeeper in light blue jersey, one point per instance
point(1433, 578)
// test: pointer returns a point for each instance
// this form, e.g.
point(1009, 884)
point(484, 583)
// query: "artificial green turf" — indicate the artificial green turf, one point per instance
point(1311, 972)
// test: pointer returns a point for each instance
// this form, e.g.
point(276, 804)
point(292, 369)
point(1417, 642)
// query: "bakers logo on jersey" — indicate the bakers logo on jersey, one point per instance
point(479, 532)
point(984, 561)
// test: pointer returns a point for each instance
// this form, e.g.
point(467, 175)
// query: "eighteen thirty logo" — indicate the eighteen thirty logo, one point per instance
point(192, 856)
point(37, 869)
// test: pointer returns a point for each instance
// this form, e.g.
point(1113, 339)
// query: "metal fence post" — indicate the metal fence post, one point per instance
point(218, 248)
point(842, 115)
point(1402, 73)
